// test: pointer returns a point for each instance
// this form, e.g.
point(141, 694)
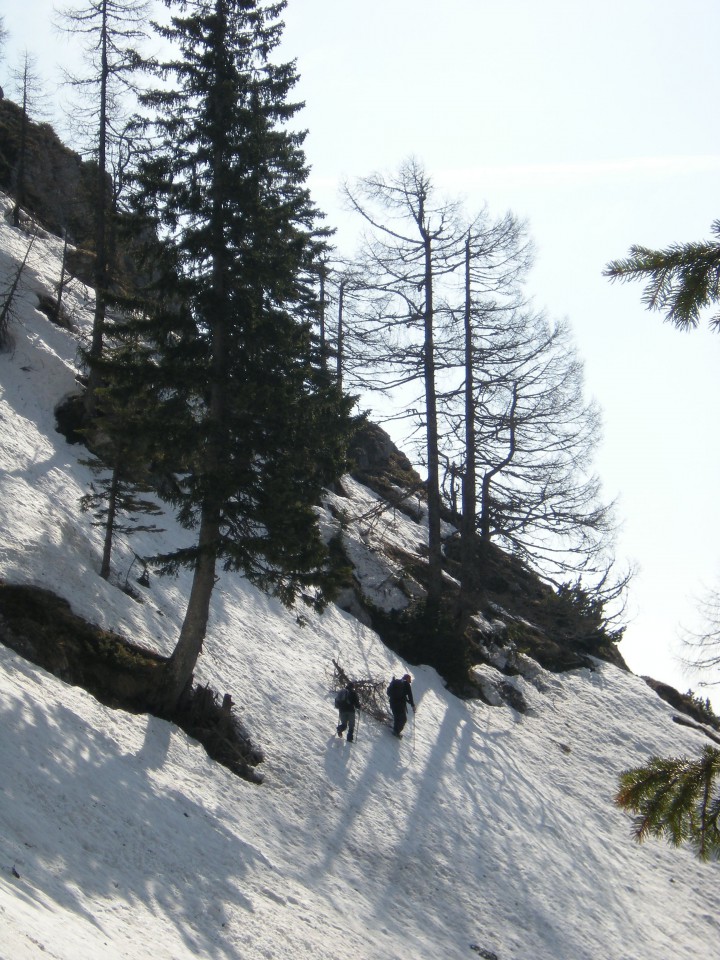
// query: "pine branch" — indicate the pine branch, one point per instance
point(676, 799)
point(682, 280)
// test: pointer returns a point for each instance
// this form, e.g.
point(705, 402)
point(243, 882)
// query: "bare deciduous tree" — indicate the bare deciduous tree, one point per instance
point(7, 309)
point(110, 31)
point(703, 644)
point(3, 39)
point(28, 84)
point(414, 241)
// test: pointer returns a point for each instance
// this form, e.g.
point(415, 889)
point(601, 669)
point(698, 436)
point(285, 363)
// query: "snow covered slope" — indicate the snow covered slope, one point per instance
point(481, 833)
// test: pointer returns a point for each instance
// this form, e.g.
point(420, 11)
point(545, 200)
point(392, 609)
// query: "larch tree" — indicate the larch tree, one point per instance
point(703, 643)
point(110, 31)
point(3, 39)
point(414, 240)
point(535, 439)
point(28, 84)
point(346, 350)
point(497, 256)
point(260, 427)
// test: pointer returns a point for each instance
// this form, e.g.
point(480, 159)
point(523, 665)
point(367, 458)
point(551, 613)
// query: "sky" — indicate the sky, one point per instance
point(595, 125)
point(484, 832)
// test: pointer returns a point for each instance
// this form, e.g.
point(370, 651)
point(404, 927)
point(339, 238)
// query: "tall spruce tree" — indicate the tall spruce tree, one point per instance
point(260, 426)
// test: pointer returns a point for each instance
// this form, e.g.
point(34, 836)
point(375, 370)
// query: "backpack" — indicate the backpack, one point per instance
point(341, 699)
point(396, 689)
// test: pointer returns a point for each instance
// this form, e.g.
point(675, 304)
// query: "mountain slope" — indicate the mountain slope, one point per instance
point(483, 832)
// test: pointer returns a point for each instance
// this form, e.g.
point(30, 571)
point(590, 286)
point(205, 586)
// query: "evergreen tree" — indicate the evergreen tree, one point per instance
point(260, 426)
point(676, 798)
point(682, 280)
point(123, 435)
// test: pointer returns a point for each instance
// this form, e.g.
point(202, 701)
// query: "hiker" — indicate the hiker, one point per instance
point(400, 693)
point(347, 701)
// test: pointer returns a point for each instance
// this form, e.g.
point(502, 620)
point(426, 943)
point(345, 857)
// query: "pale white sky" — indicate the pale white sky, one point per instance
point(598, 126)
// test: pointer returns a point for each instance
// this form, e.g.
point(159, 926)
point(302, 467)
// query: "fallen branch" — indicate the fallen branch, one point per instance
point(371, 692)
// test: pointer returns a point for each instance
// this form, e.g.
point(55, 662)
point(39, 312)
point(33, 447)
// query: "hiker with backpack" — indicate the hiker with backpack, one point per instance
point(400, 695)
point(347, 701)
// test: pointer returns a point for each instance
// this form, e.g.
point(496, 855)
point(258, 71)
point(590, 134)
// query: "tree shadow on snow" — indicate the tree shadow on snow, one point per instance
point(91, 825)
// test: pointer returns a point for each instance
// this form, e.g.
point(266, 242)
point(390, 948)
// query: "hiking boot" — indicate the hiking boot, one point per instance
point(339, 731)
point(350, 738)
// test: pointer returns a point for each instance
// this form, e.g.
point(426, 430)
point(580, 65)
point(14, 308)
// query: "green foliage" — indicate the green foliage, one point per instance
point(676, 798)
point(682, 280)
point(260, 426)
point(124, 437)
point(704, 709)
point(584, 616)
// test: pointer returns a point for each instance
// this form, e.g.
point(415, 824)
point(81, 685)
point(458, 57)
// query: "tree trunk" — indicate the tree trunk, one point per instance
point(63, 280)
point(340, 334)
point(469, 483)
point(433, 457)
point(192, 634)
point(20, 178)
point(323, 335)
point(110, 525)
point(100, 273)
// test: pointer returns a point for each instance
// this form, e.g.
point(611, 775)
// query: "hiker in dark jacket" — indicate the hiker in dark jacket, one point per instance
point(347, 701)
point(400, 694)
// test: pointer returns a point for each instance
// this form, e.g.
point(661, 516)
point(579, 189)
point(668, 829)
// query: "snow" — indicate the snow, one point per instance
point(483, 832)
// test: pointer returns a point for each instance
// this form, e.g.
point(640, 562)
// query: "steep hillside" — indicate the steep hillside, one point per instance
point(489, 830)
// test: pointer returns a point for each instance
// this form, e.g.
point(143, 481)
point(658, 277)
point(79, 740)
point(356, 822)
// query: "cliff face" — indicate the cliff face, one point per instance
point(58, 184)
